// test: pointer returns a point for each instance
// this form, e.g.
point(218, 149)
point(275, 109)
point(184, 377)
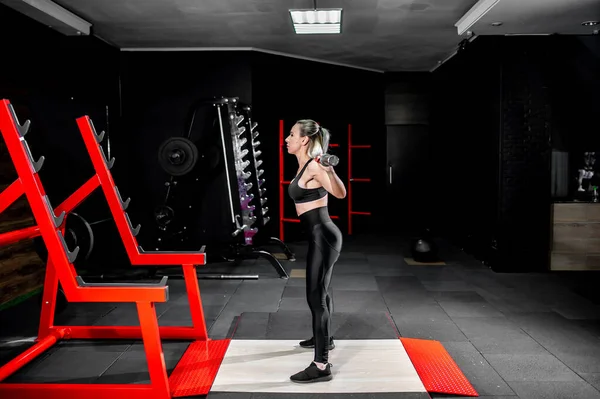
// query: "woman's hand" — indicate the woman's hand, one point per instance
point(328, 169)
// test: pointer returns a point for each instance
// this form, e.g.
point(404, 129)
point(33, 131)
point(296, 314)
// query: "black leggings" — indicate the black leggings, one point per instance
point(324, 246)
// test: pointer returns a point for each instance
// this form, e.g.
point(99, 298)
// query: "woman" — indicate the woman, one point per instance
point(308, 141)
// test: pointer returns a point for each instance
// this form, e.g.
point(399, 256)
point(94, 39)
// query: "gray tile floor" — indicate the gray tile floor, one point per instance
point(513, 335)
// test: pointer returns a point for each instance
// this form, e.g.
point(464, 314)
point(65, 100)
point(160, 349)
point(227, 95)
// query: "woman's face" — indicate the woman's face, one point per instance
point(294, 142)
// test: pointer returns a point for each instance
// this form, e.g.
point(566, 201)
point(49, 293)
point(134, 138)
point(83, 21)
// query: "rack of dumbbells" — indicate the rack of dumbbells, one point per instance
point(220, 155)
point(256, 184)
point(247, 171)
point(249, 145)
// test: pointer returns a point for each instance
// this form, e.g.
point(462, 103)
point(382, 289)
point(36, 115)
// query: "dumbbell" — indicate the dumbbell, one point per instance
point(328, 160)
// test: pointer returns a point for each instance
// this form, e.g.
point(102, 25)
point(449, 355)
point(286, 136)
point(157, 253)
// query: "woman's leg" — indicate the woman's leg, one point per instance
point(324, 249)
point(324, 252)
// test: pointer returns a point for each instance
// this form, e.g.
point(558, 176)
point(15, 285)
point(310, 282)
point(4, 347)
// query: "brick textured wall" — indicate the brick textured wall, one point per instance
point(525, 152)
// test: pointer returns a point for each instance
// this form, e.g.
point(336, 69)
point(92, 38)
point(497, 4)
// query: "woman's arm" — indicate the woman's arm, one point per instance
point(329, 179)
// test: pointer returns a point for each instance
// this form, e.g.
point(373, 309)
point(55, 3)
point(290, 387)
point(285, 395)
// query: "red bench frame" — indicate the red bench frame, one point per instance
point(60, 269)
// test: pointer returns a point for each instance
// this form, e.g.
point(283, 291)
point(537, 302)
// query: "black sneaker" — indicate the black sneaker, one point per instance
point(313, 374)
point(310, 343)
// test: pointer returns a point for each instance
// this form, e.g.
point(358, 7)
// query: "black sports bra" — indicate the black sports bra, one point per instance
point(299, 194)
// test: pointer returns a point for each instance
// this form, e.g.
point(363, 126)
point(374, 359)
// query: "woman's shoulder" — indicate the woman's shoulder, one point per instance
point(314, 167)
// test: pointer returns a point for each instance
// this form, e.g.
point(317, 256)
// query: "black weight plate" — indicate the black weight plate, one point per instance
point(163, 215)
point(177, 156)
point(78, 232)
point(83, 235)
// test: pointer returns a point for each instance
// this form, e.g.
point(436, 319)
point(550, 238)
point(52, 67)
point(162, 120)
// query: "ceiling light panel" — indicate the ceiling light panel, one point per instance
point(319, 21)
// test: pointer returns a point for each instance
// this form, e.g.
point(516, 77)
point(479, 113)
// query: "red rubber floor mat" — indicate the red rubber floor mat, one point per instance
point(438, 372)
point(197, 369)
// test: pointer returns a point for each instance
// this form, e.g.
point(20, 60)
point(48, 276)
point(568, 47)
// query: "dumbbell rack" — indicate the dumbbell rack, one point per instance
point(188, 378)
point(256, 182)
point(247, 196)
point(228, 219)
point(245, 161)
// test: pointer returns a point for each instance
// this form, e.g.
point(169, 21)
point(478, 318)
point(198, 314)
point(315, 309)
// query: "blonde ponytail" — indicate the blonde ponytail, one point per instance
point(319, 137)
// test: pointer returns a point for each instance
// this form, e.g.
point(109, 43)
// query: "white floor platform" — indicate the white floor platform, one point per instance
point(380, 365)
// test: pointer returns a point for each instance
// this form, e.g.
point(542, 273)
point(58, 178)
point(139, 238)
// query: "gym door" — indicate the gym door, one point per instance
point(409, 181)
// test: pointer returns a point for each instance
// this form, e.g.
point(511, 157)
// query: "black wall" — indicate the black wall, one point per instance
point(478, 130)
point(575, 102)
point(407, 119)
point(53, 79)
point(575, 94)
point(499, 107)
point(158, 90)
point(465, 128)
point(335, 96)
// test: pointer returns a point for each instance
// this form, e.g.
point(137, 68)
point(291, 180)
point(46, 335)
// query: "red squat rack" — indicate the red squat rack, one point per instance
point(197, 368)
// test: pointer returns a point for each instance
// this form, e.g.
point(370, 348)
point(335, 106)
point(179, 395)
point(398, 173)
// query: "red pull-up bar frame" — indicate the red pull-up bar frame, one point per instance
point(188, 378)
point(283, 183)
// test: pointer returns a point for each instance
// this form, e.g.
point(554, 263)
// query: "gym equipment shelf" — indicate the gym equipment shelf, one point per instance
point(189, 378)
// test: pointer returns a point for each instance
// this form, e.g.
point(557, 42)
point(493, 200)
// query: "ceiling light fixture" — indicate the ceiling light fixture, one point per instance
point(317, 21)
point(590, 23)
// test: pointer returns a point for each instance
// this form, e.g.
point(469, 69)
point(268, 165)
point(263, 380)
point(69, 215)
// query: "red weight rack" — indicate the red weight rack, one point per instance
point(283, 183)
point(197, 368)
point(351, 179)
